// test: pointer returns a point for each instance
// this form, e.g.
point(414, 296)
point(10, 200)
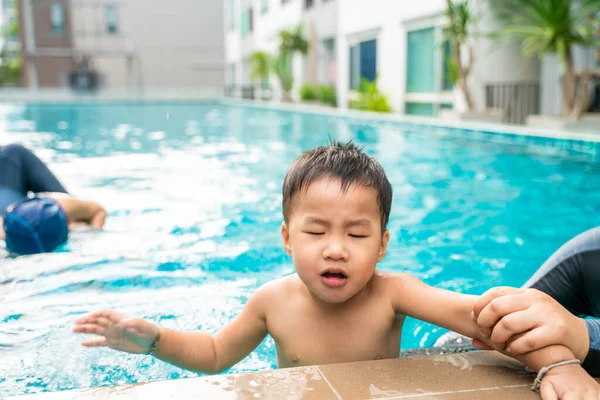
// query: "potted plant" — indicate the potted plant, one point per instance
point(370, 98)
point(308, 93)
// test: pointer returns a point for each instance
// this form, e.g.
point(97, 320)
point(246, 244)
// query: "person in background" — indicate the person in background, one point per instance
point(38, 223)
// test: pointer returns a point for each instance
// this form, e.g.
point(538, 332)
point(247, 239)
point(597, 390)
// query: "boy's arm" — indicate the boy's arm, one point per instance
point(195, 351)
point(453, 310)
point(199, 351)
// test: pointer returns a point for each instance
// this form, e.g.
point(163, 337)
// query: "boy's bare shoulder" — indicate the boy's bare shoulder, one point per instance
point(392, 280)
point(396, 285)
point(276, 290)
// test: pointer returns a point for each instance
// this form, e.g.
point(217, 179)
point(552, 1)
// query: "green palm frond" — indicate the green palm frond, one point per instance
point(282, 66)
point(260, 65)
point(547, 26)
point(293, 41)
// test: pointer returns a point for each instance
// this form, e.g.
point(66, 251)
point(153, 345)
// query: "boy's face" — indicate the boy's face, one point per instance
point(335, 238)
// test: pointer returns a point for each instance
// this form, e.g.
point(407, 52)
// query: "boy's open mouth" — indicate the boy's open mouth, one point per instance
point(334, 277)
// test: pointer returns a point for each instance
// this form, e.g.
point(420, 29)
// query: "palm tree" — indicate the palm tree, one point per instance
point(553, 27)
point(282, 66)
point(461, 20)
point(260, 65)
point(293, 41)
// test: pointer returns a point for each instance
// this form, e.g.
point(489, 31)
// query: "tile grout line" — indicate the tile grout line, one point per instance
point(410, 396)
point(329, 384)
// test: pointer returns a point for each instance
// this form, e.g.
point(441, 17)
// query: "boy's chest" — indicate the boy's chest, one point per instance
point(304, 337)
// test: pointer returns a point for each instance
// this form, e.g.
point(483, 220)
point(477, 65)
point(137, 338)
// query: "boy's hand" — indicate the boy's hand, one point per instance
point(524, 320)
point(569, 382)
point(132, 335)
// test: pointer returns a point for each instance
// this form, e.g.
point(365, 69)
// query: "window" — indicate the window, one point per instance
point(231, 74)
point(425, 109)
point(420, 61)
point(363, 62)
point(326, 61)
point(57, 17)
point(110, 15)
point(247, 22)
point(448, 81)
point(231, 15)
point(264, 7)
point(429, 70)
point(308, 3)
point(250, 20)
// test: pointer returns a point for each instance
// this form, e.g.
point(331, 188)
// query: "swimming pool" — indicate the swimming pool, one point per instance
point(193, 193)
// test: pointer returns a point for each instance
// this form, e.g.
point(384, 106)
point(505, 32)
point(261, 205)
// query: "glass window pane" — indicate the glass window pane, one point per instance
point(250, 20)
point(231, 15)
point(425, 109)
point(354, 68)
point(447, 84)
point(111, 18)
point(368, 59)
point(57, 17)
point(244, 27)
point(420, 61)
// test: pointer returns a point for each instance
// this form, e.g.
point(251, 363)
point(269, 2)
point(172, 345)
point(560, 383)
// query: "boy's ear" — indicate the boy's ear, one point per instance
point(383, 247)
point(285, 235)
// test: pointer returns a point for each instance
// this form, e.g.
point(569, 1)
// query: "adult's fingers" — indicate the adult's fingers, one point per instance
point(492, 294)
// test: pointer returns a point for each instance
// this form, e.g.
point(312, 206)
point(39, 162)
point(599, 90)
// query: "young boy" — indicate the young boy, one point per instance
point(337, 307)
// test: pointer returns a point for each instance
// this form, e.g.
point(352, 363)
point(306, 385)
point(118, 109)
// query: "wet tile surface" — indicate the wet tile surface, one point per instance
point(464, 376)
point(451, 377)
point(292, 383)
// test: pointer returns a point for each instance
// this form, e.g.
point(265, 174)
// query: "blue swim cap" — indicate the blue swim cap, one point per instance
point(36, 225)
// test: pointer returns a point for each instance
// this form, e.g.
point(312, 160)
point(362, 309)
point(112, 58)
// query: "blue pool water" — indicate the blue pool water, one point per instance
point(193, 193)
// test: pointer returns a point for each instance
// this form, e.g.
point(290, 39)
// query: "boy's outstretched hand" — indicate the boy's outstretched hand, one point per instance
point(132, 335)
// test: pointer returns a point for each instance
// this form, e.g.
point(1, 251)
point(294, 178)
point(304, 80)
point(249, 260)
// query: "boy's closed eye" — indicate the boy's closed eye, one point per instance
point(353, 235)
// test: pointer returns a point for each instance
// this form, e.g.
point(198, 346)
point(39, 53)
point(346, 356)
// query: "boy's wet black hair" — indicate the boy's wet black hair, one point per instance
point(344, 161)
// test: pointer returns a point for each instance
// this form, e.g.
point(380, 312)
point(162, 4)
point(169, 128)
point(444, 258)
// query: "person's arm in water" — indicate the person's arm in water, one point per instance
point(79, 212)
point(453, 311)
point(523, 320)
point(196, 351)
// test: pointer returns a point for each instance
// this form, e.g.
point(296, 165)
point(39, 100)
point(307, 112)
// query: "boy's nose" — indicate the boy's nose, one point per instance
point(335, 251)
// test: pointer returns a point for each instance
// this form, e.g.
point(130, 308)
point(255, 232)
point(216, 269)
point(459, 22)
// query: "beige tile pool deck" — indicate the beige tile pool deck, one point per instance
point(468, 376)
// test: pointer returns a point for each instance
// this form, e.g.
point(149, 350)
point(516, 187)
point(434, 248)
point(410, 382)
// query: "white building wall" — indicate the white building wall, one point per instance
point(551, 84)
point(172, 44)
point(233, 51)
